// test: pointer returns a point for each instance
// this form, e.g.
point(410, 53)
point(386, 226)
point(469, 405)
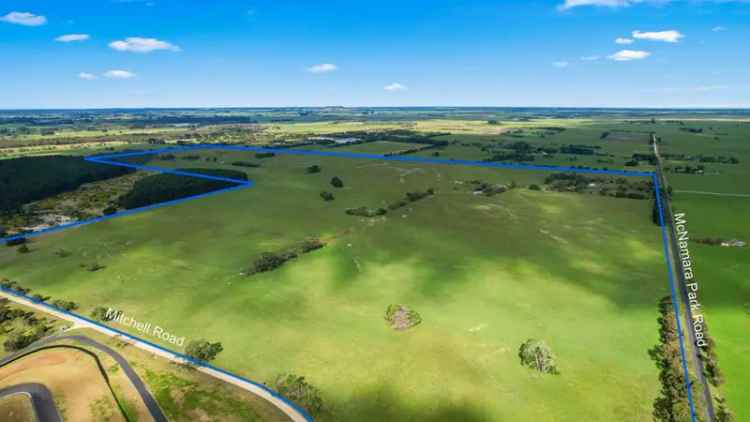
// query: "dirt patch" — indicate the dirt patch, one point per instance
point(401, 317)
point(59, 369)
point(32, 361)
point(16, 408)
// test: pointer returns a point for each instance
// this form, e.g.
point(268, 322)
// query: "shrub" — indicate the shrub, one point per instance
point(109, 210)
point(327, 196)
point(101, 314)
point(65, 304)
point(311, 244)
point(366, 212)
point(270, 261)
point(245, 164)
point(336, 182)
point(39, 298)
point(313, 169)
point(401, 317)
point(16, 241)
point(537, 355)
point(20, 340)
point(62, 253)
point(296, 389)
point(24, 249)
point(534, 187)
point(92, 267)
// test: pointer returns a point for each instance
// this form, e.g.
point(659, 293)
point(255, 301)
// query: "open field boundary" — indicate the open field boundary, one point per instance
point(110, 159)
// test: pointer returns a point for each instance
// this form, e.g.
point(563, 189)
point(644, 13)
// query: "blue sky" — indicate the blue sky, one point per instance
point(166, 53)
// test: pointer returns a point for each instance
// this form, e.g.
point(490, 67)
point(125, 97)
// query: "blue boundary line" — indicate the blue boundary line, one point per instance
point(109, 159)
point(675, 303)
point(187, 358)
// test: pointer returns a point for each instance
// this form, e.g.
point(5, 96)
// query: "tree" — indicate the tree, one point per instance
point(93, 267)
point(313, 169)
point(534, 187)
point(24, 249)
point(327, 196)
point(40, 298)
point(336, 182)
point(21, 339)
point(203, 350)
point(100, 314)
point(66, 304)
point(537, 354)
point(298, 390)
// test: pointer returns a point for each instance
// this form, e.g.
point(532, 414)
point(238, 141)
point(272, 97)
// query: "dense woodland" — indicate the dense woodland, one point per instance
point(27, 179)
point(167, 187)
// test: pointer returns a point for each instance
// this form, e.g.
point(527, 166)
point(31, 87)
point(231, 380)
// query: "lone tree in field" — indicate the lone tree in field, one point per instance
point(336, 182)
point(313, 169)
point(296, 389)
point(203, 350)
point(327, 196)
point(100, 314)
point(537, 355)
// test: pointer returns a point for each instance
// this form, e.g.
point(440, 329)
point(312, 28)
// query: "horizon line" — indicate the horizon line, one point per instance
point(208, 107)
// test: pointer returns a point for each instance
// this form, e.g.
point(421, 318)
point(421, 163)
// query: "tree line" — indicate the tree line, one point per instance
point(166, 187)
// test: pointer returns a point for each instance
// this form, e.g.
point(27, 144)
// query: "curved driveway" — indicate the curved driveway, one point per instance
point(41, 400)
point(148, 399)
point(292, 410)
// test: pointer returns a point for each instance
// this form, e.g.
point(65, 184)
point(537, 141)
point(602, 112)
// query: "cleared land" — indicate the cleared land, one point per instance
point(582, 272)
point(16, 408)
point(58, 369)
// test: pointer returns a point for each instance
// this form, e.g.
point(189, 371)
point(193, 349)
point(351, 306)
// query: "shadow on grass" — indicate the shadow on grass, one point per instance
point(383, 404)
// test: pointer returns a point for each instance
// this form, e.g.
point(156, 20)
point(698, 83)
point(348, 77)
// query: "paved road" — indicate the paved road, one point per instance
point(41, 400)
point(669, 219)
point(294, 413)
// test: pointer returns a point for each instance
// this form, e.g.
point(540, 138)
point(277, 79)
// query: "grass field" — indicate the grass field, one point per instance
point(721, 272)
point(582, 272)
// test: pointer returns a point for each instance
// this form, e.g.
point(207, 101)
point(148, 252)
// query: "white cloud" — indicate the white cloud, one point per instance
point(24, 18)
point(72, 37)
point(322, 68)
point(627, 55)
point(665, 36)
point(569, 4)
point(395, 87)
point(561, 64)
point(622, 40)
point(86, 76)
point(718, 28)
point(708, 88)
point(142, 45)
point(119, 74)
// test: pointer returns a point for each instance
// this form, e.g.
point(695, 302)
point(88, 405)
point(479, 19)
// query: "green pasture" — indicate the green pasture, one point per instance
point(723, 288)
point(582, 272)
